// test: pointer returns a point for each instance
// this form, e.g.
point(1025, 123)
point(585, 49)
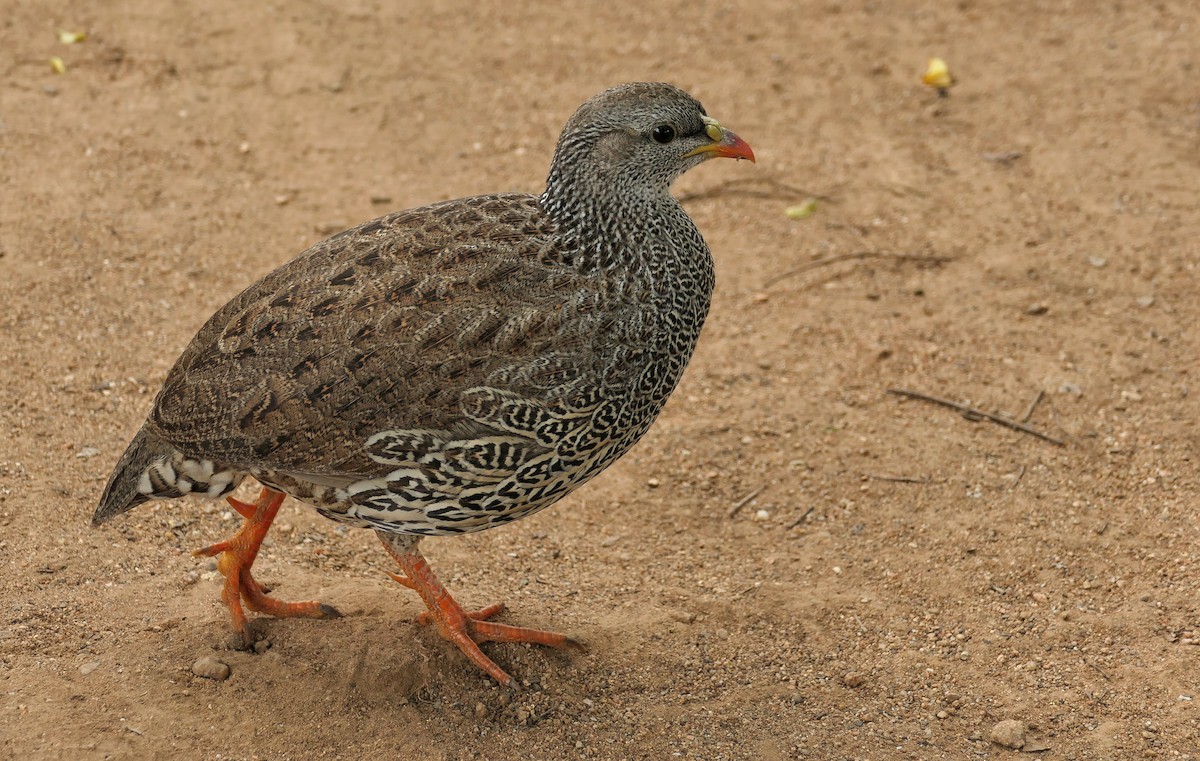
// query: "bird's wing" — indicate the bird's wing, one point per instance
point(395, 325)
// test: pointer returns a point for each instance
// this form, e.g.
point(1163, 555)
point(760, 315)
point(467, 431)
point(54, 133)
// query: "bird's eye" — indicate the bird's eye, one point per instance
point(663, 133)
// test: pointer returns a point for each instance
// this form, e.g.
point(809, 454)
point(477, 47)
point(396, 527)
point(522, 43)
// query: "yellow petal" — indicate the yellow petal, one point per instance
point(937, 74)
point(70, 38)
point(803, 211)
point(58, 65)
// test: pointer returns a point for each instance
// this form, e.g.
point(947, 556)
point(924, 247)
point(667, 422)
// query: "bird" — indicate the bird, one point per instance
point(449, 368)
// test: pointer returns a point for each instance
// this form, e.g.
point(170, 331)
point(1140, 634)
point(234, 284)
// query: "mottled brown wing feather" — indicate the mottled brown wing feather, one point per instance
point(384, 327)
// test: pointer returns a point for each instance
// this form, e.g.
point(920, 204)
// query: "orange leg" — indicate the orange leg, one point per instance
point(464, 629)
point(237, 555)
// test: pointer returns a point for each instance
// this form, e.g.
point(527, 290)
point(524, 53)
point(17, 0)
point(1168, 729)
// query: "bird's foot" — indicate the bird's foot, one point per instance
point(468, 628)
point(235, 557)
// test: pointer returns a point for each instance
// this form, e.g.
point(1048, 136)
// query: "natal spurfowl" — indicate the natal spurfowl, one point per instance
point(450, 368)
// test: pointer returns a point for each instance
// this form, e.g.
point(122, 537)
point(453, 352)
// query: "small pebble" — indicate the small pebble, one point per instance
point(762, 515)
point(87, 452)
point(1037, 309)
point(89, 667)
point(1010, 733)
point(210, 668)
point(481, 711)
point(1097, 261)
point(852, 679)
point(1145, 301)
point(683, 616)
point(262, 646)
point(653, 483)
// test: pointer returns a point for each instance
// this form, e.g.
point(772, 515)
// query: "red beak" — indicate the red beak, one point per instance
point(730, 146)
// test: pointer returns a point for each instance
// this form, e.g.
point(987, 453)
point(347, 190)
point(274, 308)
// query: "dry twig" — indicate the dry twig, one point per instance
point(1020, 475)
point(978, 414)
point(737, 506)
point(736, 187)
point(1032, 406)
point(898, 479)
point(857, 255)
point(801, 519)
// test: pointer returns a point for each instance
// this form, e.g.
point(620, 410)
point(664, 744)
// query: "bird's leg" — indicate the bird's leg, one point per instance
point(237, 554)
point(465, 629)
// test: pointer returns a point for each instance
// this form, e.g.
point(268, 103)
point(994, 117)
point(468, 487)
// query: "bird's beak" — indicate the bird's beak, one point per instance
point(724, 143)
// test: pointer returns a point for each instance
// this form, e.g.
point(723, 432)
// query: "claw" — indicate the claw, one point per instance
point(236, 555)
point(467, 629)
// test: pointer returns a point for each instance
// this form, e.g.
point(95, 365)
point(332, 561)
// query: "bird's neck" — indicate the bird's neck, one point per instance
point(638, 234)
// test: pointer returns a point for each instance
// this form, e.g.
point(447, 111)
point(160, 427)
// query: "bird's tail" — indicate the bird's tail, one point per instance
point(122, 491)
point(154, 469)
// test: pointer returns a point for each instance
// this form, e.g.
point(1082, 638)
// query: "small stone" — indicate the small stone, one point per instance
point(1097, 261)
point(481, 711)
point(1037, 309)
point(653, 483)
point(762, 515)
point(942, 715)
point(89, 667)
point(87, 452)
point(262, 646)
point(852, 679)
point(683, 616)
point(1145, 301)
point(1009, 733)
point(379, 200)
point(210, 668)
point(522, 715)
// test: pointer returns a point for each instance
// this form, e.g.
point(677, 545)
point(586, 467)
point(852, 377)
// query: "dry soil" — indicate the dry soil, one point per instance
point(795, 563)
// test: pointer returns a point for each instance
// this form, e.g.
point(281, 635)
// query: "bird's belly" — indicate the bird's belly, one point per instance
point(410, 500)
point(430, 485)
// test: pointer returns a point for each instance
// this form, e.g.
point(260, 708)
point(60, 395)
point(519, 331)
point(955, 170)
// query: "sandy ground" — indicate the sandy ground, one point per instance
point(903, 578)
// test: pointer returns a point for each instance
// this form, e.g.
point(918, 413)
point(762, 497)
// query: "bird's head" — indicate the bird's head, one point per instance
point(638, 138)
